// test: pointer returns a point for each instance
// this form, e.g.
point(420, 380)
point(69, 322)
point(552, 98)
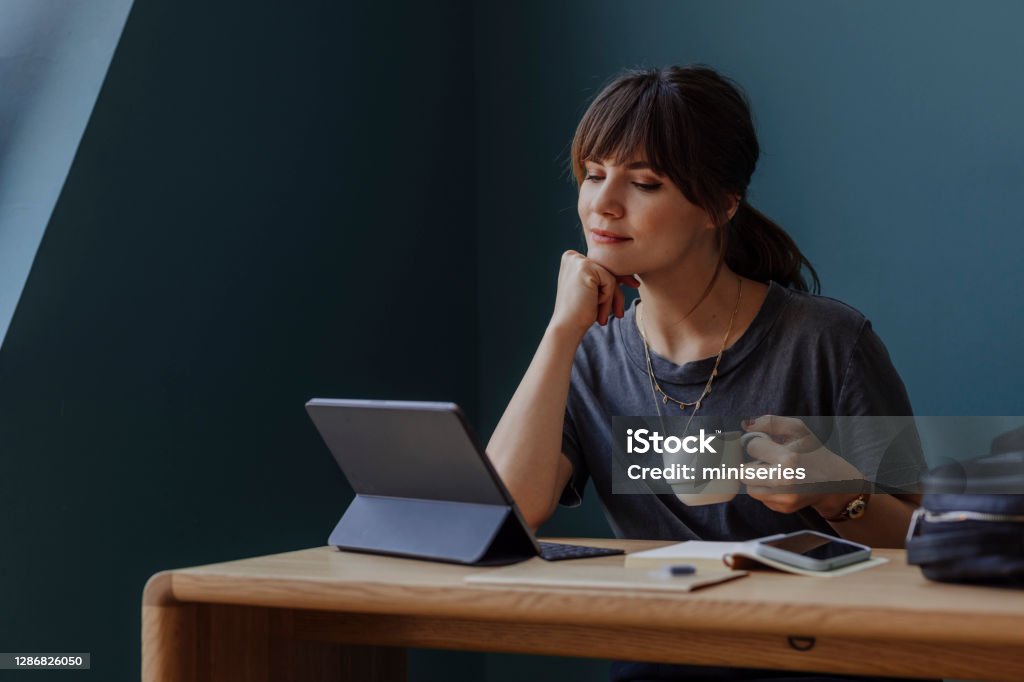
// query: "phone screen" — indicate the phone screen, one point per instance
point(814, 546)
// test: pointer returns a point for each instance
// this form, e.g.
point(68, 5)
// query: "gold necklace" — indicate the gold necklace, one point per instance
point(656, 387)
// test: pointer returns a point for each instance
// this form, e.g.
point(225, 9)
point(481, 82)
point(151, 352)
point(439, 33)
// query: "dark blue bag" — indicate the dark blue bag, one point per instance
point(970, 526)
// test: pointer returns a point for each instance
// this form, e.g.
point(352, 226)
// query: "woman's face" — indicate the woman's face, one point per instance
point(637, 221)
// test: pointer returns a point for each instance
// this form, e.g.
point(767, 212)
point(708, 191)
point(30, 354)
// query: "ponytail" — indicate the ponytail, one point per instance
point(757, 248)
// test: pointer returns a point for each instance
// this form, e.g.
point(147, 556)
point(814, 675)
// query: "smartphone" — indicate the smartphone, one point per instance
point(812, 550)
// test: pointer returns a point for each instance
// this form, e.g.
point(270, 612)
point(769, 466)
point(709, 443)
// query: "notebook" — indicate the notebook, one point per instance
point(538, 573)
point(739, 555)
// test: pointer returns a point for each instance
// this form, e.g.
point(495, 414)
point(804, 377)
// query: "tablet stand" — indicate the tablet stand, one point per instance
point(458, 532)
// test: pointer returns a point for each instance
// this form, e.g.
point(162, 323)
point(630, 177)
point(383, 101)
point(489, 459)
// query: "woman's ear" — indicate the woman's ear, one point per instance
point(735, 205)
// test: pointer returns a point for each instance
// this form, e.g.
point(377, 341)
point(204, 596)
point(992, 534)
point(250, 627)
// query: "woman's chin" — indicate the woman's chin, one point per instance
point(613, 263)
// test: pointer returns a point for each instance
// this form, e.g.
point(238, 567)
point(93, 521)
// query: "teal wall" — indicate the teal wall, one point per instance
point(271, 202)
point(274, 201)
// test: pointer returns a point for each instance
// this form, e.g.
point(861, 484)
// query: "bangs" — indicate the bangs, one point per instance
point(631, 118)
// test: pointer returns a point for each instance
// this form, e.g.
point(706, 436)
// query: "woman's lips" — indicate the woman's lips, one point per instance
point(602, 237)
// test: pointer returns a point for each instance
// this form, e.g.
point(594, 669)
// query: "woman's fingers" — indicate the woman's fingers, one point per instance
point(606, 295)
point(784, 503)
point(770, 452)
point(587, 293)
point(778, 484)
point(580, 278)
point(788, 428)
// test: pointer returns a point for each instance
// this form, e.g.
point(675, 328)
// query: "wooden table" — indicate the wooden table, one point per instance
point(321, 614)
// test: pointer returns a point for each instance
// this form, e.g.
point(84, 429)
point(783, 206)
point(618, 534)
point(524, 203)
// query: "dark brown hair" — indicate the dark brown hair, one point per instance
point(694, 126)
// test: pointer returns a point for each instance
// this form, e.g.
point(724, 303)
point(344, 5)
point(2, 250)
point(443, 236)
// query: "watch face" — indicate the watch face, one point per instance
point(857, 508)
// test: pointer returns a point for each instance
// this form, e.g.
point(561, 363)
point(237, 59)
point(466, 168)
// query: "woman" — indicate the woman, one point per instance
point(723, 326)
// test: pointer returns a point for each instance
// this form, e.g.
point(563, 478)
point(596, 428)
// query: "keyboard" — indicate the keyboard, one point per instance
point(556, 551)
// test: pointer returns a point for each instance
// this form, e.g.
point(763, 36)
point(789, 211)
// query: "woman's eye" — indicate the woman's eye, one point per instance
point(648, 187)
point(645, 186)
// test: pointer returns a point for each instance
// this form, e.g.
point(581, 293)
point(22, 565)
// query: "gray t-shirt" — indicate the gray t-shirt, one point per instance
point(803, 355)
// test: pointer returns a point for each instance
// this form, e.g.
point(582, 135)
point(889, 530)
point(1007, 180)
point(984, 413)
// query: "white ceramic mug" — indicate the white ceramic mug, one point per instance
point(697, 493)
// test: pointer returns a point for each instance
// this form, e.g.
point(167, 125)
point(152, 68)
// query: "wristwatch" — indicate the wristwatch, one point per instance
point(854, 509)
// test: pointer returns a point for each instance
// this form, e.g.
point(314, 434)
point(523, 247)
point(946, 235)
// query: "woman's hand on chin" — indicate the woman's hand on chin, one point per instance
point(790, 444)
point(587, 293)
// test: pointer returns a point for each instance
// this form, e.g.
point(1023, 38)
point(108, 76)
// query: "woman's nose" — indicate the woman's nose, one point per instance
point(606, 201)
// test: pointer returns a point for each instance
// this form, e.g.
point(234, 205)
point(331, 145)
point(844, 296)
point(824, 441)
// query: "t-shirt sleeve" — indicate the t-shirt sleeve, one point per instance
point(572, 494)
point(877, 430)
point(871, 385)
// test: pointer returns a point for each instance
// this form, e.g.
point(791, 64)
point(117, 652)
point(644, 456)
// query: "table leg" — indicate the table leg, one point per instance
point(224, 643)
point(169, 637)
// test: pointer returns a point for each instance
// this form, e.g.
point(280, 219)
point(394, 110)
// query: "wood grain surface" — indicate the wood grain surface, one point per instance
point(887, 620)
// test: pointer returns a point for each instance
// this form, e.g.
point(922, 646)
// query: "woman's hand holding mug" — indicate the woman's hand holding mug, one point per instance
point(787, 442)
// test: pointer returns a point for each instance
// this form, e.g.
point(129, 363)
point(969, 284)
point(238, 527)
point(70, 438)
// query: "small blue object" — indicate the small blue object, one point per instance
point(682, 569)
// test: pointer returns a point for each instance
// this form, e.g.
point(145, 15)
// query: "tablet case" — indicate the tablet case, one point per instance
point(459, 532)
point(424, 487)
